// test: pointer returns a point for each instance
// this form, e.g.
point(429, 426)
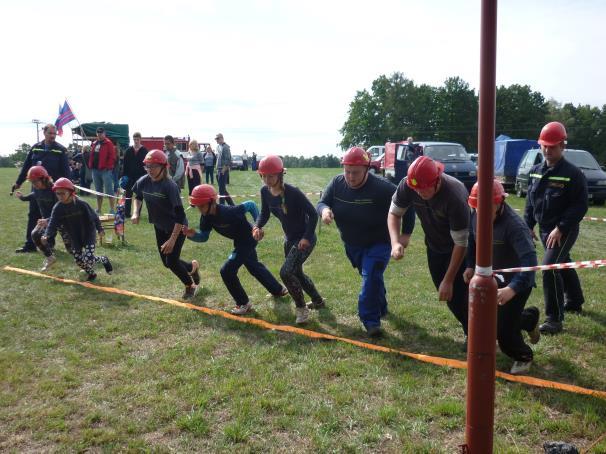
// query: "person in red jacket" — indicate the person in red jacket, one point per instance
point(101, 162)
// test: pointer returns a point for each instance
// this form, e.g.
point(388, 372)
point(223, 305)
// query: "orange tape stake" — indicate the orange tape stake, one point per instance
point(455, 363)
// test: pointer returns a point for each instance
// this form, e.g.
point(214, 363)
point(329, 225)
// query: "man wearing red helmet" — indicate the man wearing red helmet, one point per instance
point(359, 202)
point(44, 196)
point(81, 223)
point(165, 211)
point(440, 202)
point(512, 246)
point(230, 222)
point(298, 219)
point(557, 202)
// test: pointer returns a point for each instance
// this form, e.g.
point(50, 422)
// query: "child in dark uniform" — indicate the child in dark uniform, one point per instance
point(298, 218)
point(45, 198)
point(231, 222)
point(512, 246)
point(163, 200)
point(80, 222)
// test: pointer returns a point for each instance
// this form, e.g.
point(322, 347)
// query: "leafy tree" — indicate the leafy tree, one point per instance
point(520, 111)
point(456, 113)
point(17, 157)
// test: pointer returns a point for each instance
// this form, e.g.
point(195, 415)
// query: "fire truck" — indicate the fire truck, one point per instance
point(157, 143)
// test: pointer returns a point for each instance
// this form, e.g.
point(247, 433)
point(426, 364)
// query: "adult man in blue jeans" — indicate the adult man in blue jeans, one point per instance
point(223, 166)
point(359, 202)
point(101, 162)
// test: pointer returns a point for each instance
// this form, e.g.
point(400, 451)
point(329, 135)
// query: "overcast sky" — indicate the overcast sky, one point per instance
point(272, 76)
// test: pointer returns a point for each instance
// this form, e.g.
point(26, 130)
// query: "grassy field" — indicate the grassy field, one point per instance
point(83, 370)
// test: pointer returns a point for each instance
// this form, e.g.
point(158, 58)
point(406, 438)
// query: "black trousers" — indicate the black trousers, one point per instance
point(560, 286)
point(33, 215)
point(173, 261)
point(458, 304)
point(291, 273)
point(512, 318)
point(194, 181)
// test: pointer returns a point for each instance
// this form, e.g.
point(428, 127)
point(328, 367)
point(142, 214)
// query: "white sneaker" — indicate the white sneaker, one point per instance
point(520, 367)
point(241, 310)
point(48, 262)
point(302, 315)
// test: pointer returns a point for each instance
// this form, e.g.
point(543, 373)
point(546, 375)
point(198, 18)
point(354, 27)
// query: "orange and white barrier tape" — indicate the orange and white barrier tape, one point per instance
point(555, 266)
point(454, 363)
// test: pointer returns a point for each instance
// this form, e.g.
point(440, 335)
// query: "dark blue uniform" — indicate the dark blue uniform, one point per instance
point(231, 222)
point(54, 159)
point(557, 197)
point(511, 247)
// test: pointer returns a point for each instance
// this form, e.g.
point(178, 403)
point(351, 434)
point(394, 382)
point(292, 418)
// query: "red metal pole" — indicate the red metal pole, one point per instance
point(483, 288)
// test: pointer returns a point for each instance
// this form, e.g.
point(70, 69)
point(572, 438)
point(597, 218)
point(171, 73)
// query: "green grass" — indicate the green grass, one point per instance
point(85, 370)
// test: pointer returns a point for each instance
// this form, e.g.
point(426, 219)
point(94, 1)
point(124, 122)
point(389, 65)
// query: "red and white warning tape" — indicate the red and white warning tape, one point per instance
point(99, 193)
point(258, 193)
point(556, 266)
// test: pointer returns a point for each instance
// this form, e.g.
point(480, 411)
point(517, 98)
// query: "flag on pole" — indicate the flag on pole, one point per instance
point(65, 116)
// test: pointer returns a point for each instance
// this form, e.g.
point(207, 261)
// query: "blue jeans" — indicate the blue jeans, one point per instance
point(210, 176)
point(247, 256)
point(371, 263)
point(104, 179)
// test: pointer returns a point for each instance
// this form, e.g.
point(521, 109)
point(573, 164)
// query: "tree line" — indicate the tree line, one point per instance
point(395, 107)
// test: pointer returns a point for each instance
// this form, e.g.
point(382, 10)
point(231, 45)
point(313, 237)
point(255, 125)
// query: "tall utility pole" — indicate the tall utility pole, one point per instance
point(483, 288)
point(38, 123)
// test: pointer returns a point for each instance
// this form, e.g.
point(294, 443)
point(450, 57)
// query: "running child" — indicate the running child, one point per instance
point(44, 196)
point(230, 221)
point(165, 210)
point(81, 224)
point(298, 218)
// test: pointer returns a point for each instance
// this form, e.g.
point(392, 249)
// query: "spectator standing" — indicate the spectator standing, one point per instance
point(223, 166)
point(209, 165)
point(195, 162)
point(102, 160)
point(176, 167)
point(133, 169)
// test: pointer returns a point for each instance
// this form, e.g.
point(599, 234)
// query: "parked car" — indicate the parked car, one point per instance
point(236, 162)
point(375, 151)
point(596, 177)
point(376, 164)
point(453, 155)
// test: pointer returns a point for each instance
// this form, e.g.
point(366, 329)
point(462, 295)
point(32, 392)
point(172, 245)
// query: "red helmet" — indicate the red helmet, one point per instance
point(64, 183)
point(271, 165)
point(156, 157)
point(356, 156)
point(36, 173)
point(498, 194)
point(552, 134)
point(424, 173)
point(202, 194)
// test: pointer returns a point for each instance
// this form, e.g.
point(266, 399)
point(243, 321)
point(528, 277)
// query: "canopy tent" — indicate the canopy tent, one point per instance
point(118, 133)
